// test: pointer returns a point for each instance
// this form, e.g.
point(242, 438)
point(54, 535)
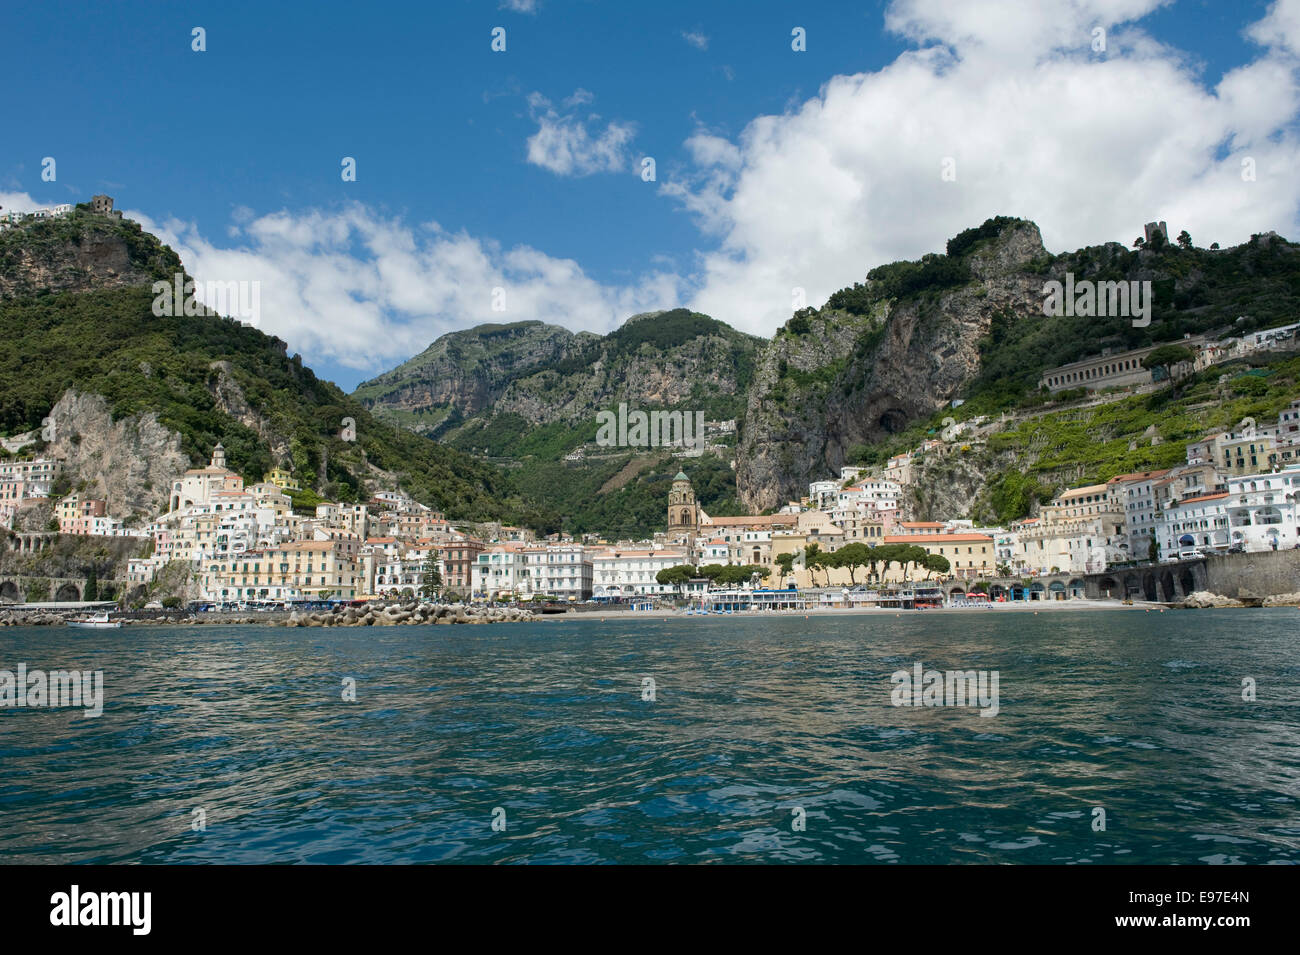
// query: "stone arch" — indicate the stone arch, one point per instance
point(1167, 585)
point(68, 593)
point(957, 591)
point(1187, 580)
point(1056, 590)
point(1132, 585)
point(1076, 587)
point(9, 592)
point(1109, 587)
point(1149, 586)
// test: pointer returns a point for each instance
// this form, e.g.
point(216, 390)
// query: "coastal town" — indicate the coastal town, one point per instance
point(845, 544)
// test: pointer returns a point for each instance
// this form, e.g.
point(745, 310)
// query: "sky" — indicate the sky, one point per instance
point(498, 185)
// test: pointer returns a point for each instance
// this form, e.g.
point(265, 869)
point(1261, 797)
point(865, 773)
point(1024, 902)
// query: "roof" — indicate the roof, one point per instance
point(681, 476)
point(938, 539)
point(1203, 497)
point(754, 519)
point(920, 524)
point(1080, 491)
point(1138, 476)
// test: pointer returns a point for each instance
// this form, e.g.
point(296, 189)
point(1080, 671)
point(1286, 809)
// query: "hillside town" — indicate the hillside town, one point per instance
point(247, 544)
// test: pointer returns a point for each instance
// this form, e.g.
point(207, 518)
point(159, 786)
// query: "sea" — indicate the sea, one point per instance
point(1100, 737)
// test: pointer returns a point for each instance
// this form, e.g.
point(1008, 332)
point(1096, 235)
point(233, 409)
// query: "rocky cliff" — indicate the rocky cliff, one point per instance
point(129, 462)
point(80, 252)
point(464, 372)
point(530, 374)
point(838, 379)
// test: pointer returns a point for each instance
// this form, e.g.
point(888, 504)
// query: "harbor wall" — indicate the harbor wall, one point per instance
point(1262, 574)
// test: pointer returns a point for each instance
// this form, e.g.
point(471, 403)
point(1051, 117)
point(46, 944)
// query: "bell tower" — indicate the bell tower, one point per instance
point(683, 512)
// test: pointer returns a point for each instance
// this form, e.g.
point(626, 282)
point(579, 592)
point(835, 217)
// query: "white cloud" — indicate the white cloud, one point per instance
point(565, 143)
point(1280, 27)
point(520, 6)
point(696, 39)
point(20, 202)
point(367, 292)
point(1089, 145)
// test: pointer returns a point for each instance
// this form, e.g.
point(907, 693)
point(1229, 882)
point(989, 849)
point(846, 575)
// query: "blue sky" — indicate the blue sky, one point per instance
point(776, 170)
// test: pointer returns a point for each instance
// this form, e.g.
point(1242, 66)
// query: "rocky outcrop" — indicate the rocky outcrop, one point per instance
point(851, 379)
point(130, 462)
point(467, 371)
point(229, 398)
point(1204, 600)
point(674, 360)
point(79, 253)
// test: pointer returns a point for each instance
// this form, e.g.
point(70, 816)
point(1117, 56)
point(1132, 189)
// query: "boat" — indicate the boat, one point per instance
point(96, 621)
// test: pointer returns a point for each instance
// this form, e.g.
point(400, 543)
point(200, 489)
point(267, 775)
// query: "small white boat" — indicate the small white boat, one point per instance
point(97, 621)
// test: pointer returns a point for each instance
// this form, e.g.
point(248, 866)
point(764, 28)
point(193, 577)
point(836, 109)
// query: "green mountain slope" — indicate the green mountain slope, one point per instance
point(209, 378)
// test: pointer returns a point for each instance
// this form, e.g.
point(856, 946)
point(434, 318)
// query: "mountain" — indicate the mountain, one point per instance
point(865, 376)
point(527, 395)
point(464, 372)
point(81, 334)
point(836, 383)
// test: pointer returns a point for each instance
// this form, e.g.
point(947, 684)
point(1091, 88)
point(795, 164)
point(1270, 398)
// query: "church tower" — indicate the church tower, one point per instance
point(218, 457)
point(683, 512)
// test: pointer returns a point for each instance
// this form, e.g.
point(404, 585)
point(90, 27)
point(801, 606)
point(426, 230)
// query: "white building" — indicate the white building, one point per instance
point(620, 573)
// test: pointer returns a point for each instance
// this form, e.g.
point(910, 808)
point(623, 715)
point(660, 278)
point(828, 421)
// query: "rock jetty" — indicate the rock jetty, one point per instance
point(407, 614)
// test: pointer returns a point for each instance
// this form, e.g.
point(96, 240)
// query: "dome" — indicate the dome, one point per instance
point(681, 476)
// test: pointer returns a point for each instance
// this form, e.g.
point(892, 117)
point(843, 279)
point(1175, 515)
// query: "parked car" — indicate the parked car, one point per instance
point(1237, 547)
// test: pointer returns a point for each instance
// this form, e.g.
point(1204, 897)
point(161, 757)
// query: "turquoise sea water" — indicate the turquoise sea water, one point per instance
point(1139, 714)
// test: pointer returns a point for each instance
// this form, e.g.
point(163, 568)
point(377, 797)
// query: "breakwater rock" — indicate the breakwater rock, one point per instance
point(30, 618)
point(408, 614)
point(1204, 600)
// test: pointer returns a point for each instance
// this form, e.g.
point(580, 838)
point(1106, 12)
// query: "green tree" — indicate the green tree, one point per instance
point(890, 554)
point(936, 564)
point(92, 586)
point(814, 559)
point(1166, 358)
point(914, 556)
point(1184, 240)
point(675, 576)
point(873, 559)
point(432, 577)
point(786, 563)
point(852, 557)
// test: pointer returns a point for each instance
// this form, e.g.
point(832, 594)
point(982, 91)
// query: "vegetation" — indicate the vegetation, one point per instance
point(432, 578)
point(109, 342)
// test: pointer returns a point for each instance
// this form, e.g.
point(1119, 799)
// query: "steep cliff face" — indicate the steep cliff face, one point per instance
point(705, 365)
point(230, 399)
point(840, 379)
point(515, 378)
point(464, 371)
point(80, 252)
point(129, 462)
